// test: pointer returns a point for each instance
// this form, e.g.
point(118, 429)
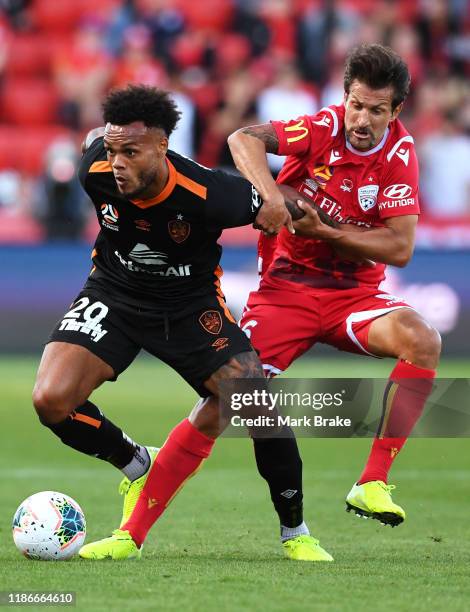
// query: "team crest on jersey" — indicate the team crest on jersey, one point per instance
point(110, 217)
point(323, 174)
point(211, 321)
point(179, 230)
point(367, 195)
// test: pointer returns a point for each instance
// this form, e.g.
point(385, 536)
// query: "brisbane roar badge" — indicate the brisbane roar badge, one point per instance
point(179, 230)
point(211, 321)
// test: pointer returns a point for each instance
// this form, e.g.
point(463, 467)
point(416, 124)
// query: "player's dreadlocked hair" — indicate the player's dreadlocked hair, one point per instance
point(153, 106)
point(377, 67)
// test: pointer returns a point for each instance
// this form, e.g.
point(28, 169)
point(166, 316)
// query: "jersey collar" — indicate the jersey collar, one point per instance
point(167, 190)
point(377, 147)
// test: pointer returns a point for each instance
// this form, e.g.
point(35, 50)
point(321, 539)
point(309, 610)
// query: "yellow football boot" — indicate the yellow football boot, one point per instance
point(374, 500)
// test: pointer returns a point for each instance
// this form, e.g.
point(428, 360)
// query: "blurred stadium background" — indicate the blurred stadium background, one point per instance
point(229, 63)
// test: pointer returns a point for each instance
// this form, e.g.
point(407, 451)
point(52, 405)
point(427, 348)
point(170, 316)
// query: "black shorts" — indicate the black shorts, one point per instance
point(195, 340)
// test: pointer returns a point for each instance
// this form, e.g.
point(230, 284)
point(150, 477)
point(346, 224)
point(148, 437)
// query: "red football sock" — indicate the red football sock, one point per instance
point(404, 400)
point(177, 460)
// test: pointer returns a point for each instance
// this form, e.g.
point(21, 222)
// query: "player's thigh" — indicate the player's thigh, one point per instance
point(90, 344)
point(404, 333)
point(68, 373)
point(199, 341)
point(281, 327)
point(352, 316)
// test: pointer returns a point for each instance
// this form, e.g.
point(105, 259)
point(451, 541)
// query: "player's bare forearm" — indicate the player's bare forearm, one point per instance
point(392, 244)
point(249, 146)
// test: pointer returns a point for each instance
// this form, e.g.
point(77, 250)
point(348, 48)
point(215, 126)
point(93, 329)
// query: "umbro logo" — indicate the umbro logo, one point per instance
point(288, 493)
point(220, 344)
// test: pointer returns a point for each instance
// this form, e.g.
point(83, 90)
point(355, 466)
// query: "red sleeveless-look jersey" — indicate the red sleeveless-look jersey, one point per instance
point(352, 186)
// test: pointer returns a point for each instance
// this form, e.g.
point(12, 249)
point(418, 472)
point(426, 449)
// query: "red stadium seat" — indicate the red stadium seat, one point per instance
point(28, 55)
point(28, 102)
point(19, 228)
point(212, 15)
point(205, 96)
point(55, 14)
point(23, 149)
point(102, 8)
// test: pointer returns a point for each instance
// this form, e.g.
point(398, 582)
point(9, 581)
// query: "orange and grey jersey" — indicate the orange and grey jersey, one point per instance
point(164, 250)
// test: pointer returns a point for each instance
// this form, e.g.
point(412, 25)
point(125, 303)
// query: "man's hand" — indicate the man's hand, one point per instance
point(273, 215)
point(310, 225)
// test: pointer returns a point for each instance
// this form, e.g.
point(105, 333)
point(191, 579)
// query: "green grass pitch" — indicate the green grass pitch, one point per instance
point(217, 545)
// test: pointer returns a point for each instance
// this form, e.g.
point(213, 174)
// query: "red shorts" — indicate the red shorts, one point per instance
point(283, 324)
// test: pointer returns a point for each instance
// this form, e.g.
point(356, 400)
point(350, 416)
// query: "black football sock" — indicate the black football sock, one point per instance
point(89, 431)
point(279, 463)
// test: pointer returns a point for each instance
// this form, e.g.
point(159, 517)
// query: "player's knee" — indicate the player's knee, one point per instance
point(423, 343)
point(52, 404)
point(432, 342)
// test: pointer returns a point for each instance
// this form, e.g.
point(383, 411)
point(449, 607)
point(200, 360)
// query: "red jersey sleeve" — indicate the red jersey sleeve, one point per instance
point(298, 136)
point(398, 193)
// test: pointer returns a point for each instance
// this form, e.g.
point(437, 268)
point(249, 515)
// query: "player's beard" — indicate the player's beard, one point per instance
point(145, 180)
point(361, 144)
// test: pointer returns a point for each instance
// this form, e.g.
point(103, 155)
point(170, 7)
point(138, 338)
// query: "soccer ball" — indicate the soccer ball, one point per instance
point(49, 525)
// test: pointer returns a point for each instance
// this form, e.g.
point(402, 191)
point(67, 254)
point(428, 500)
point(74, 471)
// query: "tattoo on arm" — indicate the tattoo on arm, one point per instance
point(266, 133)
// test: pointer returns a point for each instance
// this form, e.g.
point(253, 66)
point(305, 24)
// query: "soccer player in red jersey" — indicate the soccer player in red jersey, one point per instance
point(358, 163)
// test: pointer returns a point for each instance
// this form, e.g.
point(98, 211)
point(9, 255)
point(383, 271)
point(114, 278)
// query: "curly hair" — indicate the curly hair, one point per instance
point(154, 107)
point(378, 67)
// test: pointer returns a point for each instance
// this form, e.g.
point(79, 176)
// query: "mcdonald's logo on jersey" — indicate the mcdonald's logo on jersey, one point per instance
point(297, 127)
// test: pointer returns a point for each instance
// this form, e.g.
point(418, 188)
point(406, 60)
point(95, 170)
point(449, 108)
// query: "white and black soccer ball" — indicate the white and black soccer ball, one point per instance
point(49, 525)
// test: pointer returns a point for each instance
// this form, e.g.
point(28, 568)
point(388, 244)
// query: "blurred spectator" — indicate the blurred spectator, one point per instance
point(316, 30)
point(229, 63)
point(10, 190)
point(237, 108)
point(4, 44)
point(61, 206)
point(15, 10)
point(333, 91)
point(445, 170)
point(166, 22)
point(137, 64)
point(82, 75)
point(185, 137)
point(286, 98)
